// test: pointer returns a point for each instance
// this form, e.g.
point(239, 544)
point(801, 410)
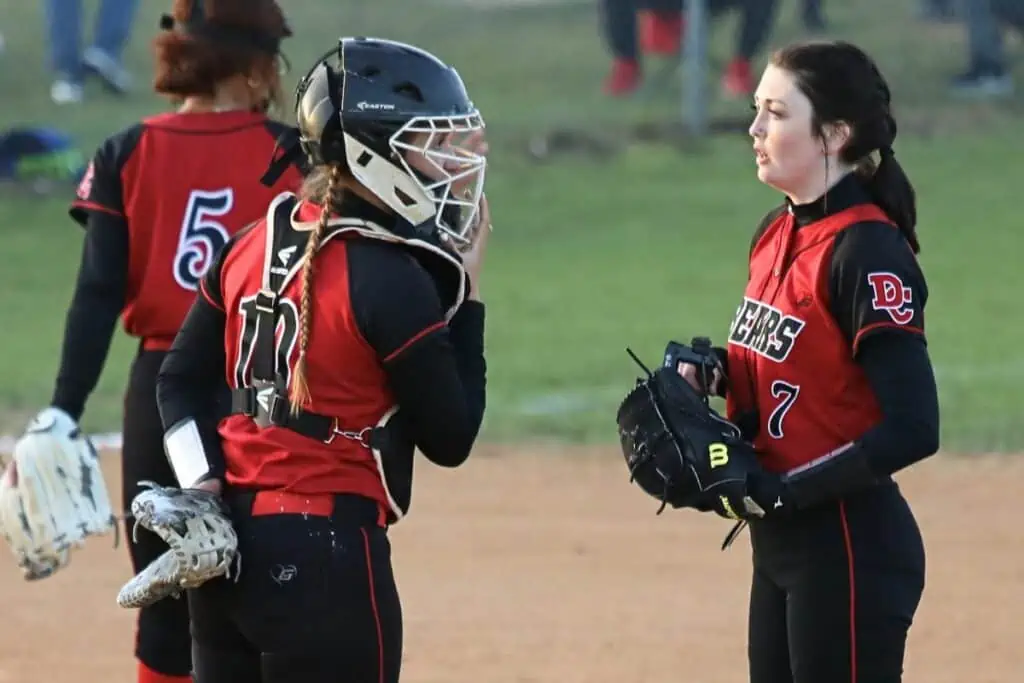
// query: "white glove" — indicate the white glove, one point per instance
point(52, 494)
point(203, 543)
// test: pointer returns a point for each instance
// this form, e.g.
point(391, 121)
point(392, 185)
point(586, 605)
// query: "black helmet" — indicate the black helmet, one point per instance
point(373, 106)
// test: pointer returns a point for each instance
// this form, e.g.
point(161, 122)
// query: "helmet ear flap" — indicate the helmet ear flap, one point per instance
point(318, 114)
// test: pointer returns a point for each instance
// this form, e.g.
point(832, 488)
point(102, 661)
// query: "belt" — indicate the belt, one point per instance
point(341, 506)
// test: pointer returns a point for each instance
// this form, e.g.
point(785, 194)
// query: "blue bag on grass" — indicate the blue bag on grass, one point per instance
point(40, 158)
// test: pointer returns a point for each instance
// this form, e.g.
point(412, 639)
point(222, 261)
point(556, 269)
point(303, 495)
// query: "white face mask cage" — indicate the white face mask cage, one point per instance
point(432, 175)
point(432, 153)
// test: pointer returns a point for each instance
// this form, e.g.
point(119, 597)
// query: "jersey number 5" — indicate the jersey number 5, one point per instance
point(285, 337)
point(787, 394)
point(202, 237)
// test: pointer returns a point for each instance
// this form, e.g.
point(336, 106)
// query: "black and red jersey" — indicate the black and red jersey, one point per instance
point(380, 335)
point(157, 201)
point(182, 183)
point(817, 289)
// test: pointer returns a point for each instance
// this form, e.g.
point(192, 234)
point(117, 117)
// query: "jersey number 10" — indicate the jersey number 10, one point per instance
point(285, 337)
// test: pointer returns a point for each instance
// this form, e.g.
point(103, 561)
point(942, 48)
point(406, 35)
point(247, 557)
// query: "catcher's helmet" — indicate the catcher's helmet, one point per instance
point(361, 107)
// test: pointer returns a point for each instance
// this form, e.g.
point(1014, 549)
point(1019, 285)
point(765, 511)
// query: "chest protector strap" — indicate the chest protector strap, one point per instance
point(266, 400)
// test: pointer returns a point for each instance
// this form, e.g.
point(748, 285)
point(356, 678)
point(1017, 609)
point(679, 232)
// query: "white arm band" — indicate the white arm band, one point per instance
point(185, 453)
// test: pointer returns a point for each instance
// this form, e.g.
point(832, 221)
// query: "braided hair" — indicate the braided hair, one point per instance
point(325, 186)
point(845, 85)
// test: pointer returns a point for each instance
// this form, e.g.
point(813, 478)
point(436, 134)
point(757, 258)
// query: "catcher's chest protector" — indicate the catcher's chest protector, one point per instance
point(261, 285)
point(340, 436)
point(787, 357)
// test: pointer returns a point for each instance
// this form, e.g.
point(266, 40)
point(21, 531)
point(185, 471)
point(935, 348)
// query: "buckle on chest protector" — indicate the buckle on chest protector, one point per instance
point(266, 301)
point(363, 436)
point(268, 407)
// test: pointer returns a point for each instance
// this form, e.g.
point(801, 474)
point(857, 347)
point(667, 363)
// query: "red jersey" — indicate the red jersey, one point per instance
point(361, 287)
point(183, 183)
point(817, 288)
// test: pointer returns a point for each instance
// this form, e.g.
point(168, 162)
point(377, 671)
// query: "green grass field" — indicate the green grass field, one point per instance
point(591, 255)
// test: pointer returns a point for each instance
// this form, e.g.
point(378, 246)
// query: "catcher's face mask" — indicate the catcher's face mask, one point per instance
point(446, 170)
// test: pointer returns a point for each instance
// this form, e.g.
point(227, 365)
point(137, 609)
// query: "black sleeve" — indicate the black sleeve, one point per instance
point(191, 379)
point(900, 373)
point(876, 283)
point(102, 281)
point(97, 301)
point(436, 370)
point(191, 383)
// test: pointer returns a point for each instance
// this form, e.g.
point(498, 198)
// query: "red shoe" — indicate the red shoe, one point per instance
point(660, 32)
point(738, 81)
point(623, 79)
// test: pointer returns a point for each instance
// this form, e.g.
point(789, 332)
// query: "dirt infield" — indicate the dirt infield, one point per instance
point(548, 566)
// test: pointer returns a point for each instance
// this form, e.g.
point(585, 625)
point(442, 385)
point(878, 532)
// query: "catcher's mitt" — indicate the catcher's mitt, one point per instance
point(203, 543)
point(52, 495)
point(680, 451)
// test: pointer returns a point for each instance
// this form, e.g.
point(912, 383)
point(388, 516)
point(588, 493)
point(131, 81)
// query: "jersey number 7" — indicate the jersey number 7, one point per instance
point(787, 394)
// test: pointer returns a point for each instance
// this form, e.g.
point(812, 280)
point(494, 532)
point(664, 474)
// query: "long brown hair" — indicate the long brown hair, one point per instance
point(192, 65)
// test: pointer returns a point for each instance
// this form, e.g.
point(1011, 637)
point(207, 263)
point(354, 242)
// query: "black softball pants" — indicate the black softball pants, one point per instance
point(835, 590)
point(315, 600)
point(162, 640)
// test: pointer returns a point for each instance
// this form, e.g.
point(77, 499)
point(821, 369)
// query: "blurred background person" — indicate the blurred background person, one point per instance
point(159, 200)
point(812, 15)
point(635, 29)
point(70, 65)
point(937, 10)
point(987, 74)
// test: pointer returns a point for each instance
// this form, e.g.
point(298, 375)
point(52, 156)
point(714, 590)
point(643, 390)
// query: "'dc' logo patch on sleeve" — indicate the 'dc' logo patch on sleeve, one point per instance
point(889, 294)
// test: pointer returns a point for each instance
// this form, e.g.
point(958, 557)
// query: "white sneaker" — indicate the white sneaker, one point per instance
point(64, 91)
point(114, 75)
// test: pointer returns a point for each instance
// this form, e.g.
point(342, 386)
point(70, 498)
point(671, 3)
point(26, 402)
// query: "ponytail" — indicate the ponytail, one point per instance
point(891, 190)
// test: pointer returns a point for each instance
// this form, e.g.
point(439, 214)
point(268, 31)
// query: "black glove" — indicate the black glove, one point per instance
point(679, 450)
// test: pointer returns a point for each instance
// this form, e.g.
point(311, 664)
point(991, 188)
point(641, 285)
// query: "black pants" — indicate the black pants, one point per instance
point(315, 601)
point(835, 591)
point(161, 638)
